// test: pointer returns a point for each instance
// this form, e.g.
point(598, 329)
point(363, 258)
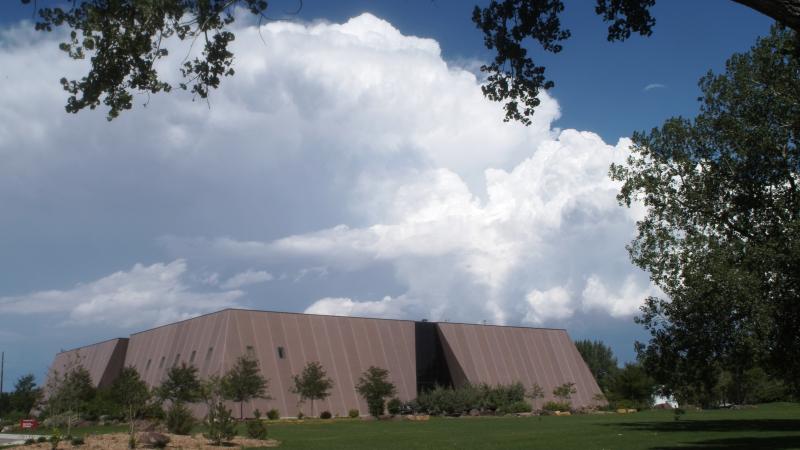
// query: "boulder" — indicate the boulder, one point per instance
point(474, 412)
point(563, 413)
point(153, 439)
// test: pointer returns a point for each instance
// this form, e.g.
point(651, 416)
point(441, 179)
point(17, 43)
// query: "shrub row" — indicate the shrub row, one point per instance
point(499, 399)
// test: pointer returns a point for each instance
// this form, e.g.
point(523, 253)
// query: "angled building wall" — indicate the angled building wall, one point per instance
point(418, 355)
point(503, 355)
point(103, 360)
point(283, 343)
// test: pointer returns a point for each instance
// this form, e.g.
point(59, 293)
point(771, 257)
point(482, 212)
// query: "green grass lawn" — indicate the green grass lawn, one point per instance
point(770, 427)
point(774, 426)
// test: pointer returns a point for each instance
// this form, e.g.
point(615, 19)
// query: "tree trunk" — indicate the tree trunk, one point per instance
point(786, 12)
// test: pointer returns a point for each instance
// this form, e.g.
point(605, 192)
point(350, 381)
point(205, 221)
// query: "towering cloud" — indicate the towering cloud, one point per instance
point(349, 165)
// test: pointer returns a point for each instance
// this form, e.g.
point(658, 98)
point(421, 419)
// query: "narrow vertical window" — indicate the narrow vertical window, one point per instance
point(147, 367)
point(177, 358)
point(191, 358)
point(161, 364)
point(250, 352)
point(208, 354)
point(281, 353)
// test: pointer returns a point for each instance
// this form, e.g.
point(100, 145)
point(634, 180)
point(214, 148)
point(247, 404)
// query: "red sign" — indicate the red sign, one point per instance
point(28, 424)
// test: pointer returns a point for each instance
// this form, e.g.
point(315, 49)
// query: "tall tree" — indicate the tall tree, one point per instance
point(25, 394)
point(375, 387)
point(131, 393)
point(312, 383)
point(721, 235)
point(600, 359)
point(244, 382)
point(126, 38)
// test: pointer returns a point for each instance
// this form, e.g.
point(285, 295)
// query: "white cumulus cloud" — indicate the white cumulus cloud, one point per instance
point(142, 296)
point(349, 154)
point(245, 278)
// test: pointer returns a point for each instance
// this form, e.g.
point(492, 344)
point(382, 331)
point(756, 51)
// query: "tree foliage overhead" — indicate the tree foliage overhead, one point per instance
point(125, 38)
point(508, 25)
point(513, 76)
point(721, 236)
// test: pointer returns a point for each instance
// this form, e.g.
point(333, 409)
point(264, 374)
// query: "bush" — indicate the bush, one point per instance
point(353, 413)
point(219, 424)
point(256, 428)
point(29, 441)
point(556, 406)
point(273, 414)
point(325, 415)
point(55, 438)
point(515, 408)
point(76, 441)
point(179, 419)
point(300, 414)
point(41, 439)
point(394, 406)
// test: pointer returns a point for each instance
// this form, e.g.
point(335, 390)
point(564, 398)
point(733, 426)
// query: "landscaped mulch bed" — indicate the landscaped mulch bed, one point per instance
point(119, 441)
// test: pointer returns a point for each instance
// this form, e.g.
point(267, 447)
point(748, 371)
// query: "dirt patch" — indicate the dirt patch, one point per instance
point(119, 441)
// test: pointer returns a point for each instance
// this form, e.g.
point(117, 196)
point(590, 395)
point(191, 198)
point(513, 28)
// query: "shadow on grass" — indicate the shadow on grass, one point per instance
point(715, 426)
point(763, 443)
point(688, 426)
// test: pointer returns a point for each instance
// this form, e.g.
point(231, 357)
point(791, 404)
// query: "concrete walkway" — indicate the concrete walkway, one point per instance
point(14, 439)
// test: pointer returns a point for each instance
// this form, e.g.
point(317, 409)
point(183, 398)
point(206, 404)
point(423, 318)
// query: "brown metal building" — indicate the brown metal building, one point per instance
point(418, 355)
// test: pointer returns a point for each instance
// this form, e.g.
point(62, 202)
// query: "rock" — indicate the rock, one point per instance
point(525, 414)
point(7, 429)
point(419, 418)
point(563, 413)
point(474, 412)
point(368, 418)
point(153, 439)
point(630, 410)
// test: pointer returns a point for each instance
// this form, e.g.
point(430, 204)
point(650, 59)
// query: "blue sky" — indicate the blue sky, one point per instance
point(349, 168)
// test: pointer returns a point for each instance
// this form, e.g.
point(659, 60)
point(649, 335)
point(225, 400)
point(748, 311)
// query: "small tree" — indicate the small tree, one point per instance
point(536, 393)
point(565, 391)
point(244, 382)
point(375, 387)
point(72, 392)
point(130, 393)
point(312, 383)
point(180, 387)
point(219, 424)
